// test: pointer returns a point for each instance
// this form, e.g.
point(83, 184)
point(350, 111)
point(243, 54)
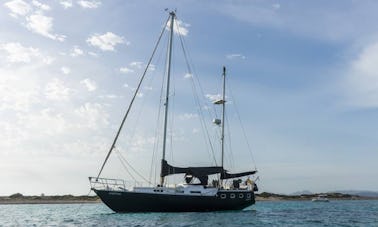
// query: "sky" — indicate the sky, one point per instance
point(302, 75)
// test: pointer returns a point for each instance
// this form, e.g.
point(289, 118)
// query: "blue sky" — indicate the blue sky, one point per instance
point(303, 74)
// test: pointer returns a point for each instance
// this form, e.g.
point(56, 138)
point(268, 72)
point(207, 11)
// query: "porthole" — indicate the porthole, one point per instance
point(232, 196)
point(241, 195)
point(248, 196)
point(223, 196)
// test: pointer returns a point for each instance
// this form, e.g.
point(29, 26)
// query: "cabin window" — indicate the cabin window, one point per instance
point(232, 196)
point(241, 195)
point(248, 195)
point(223, 196)
point(195, 192)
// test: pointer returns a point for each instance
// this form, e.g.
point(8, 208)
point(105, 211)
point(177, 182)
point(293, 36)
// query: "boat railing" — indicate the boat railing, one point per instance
point(107, 184)
point(114, 184)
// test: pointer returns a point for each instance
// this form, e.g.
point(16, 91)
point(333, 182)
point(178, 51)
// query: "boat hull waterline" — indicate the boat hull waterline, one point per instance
point(128, 201)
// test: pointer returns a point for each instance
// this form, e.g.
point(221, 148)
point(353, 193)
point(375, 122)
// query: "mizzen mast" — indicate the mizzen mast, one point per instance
point(222, 102)
point(223, 111)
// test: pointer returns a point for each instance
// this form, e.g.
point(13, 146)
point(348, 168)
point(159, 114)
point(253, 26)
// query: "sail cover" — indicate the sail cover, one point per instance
point(225, 175)
point(194, 171)
point(200, 172)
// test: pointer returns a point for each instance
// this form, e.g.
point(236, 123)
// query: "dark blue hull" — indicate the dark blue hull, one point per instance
point(155, 202)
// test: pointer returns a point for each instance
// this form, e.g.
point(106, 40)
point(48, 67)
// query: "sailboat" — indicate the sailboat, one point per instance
point(185, 197)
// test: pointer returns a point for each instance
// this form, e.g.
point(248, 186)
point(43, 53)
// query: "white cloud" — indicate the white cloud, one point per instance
point(17, 53)
point(93, 54)
point(136, 64)
point(195, 130)
point(89, 4)
point(40, 5)
point(65, 70)
point(126, 70)
point(42, 25)
point(188, 75)
point(56, 90)
point(179, 27)
point(66, 3)
point(45, 120)
point(76, 51)
point(105, 42)
point(92, 115)
point(89, 84)
point(18, 7)
point(188, 116)
point(213, 98)
point(361, 84)
point(233, 56)
point(48, 60)
point(140, 94)
point(17, 91)
point(152, 67)
point(139, 143)
point(109, 96)
point(35, 21)
point(276, 6)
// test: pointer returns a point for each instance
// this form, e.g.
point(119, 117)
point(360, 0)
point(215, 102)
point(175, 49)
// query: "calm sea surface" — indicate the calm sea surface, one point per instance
point(334, 213)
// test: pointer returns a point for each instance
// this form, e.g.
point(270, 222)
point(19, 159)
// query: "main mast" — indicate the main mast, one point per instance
point(173, 15)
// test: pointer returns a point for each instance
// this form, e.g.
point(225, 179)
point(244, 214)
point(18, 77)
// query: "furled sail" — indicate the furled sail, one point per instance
point(200, 172)
point(226, 175)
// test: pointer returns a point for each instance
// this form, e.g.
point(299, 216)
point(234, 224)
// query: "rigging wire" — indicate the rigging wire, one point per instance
point(79, 208)
point(124, 166)
point(131, 167)
point(231, 154)
point(132, 101)
point(193, 69)
point(156, 140)
point(172, 106)
point(196, 98)
point(138, 116)
point(242, 127)
point(156, 134)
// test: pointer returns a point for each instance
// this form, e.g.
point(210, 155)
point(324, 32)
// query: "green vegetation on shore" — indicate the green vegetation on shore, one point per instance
point(266, 196)
point(18, 198)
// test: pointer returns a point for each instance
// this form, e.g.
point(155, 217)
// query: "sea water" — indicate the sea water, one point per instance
point(277, 213)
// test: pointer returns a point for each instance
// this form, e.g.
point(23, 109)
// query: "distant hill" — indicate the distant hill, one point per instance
point(304, 192)
point(359, 193)
point(267, 196)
